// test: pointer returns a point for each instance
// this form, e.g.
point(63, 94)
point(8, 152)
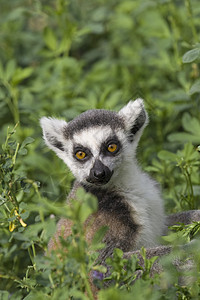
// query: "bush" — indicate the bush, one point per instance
point(60, 58)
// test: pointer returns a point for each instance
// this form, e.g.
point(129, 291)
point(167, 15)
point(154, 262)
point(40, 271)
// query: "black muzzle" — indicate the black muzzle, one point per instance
point(99, 174)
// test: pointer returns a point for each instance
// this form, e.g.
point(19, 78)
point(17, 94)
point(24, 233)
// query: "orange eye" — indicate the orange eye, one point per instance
point(112, 148)
point(80, 155)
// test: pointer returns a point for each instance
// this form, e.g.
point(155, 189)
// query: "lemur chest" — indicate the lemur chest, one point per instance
point(115, 213)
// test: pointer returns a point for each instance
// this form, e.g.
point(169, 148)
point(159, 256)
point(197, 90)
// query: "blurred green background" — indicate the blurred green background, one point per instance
point(61, 57)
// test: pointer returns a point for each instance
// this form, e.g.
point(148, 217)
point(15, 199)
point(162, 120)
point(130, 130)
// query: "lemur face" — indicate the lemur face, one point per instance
point(95, 153)
point(96, 143)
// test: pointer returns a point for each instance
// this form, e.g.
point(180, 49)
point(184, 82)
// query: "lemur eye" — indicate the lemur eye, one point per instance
point(112, 148)
point(80, 154)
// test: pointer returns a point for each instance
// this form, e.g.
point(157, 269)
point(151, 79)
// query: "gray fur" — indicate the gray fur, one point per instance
point(185, 217)
point(92, 118)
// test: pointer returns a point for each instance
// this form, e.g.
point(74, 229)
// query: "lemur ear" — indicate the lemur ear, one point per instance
point(135, 118)
point(53, 134)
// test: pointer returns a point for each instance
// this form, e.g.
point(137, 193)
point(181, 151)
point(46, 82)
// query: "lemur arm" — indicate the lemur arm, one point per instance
point(185, 217)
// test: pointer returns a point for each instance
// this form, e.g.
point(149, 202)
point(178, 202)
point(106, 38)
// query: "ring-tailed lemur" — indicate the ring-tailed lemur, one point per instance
point(99, 147)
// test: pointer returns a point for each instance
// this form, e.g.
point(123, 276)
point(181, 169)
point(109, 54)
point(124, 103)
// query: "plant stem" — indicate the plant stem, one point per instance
point(191, 189)
point(9, 134)
point(191, 23)
point(15, 155)
point(51, 281)
point(86, 282)
point(32, 256)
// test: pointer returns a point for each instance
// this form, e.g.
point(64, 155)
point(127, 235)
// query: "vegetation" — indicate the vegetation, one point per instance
point(60, 58)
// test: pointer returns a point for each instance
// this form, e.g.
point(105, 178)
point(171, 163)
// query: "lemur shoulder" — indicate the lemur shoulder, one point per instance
point(99, 147)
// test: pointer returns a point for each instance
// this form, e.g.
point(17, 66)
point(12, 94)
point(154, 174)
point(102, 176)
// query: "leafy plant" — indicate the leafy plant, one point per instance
point(59, 58)
point(122, 270)
point(13, 184)
point(183, 187)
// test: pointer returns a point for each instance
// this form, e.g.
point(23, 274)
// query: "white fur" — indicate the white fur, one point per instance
point(141, 193)
point(54, 128)
point(130, 112)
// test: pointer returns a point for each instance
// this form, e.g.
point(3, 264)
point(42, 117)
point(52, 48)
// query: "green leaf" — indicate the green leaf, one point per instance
point(184, 137)
point(188, 153)
point(118, 252)
point(191, 124)
point(2, 94)
point(20, 237)
point(84, 212)
point(21, 74)
point(1, 70)
point(195, 88)
point(4, 295)
point(9, 70)
point(27, 141)
point(50, 39)
point(166, 155)
point(16, 13)
point(191, 56)
point(65, 44)
point(92, 203)
point(98, 236)
point(8, 164)
point(23, 151)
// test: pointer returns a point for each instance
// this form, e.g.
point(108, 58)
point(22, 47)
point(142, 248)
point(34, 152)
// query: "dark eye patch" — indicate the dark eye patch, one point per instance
point(110, 141)
point(80, 148)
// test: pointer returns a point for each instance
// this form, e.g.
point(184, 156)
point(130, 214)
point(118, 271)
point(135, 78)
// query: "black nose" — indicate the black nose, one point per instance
point(99, 174)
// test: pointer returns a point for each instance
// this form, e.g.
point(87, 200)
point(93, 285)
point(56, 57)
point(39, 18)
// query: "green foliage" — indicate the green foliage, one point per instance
point(59, 58)
point(183, 187)
point(41, 275)
point(123, 270)
point(189, 231)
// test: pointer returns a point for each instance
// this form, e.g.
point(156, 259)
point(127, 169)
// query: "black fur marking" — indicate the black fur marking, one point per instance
point(84, 149)
point(113, 203)
point(139, 122)
point(91, 118)
point(58, 145)
point(111, 140)
point(54, 142)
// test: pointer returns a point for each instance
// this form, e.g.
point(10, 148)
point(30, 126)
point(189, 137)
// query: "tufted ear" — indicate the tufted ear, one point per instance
point(135, 118)
point(53, 134)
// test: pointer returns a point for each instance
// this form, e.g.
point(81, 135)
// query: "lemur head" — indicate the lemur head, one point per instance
point(97, 143)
